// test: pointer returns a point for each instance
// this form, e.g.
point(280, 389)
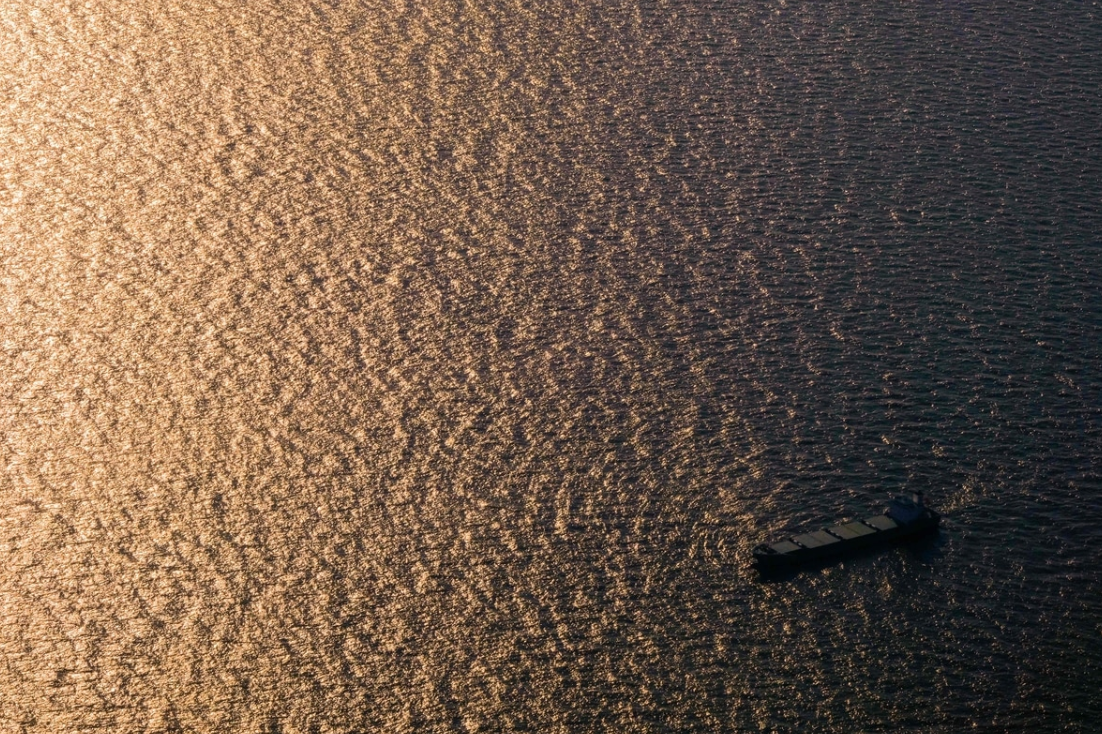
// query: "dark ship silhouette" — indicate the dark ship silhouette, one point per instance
point(904, 518)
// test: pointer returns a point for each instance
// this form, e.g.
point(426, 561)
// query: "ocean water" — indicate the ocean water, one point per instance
point(434, 366)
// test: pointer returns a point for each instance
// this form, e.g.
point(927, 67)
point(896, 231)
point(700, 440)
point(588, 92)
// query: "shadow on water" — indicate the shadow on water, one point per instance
point(924, 549)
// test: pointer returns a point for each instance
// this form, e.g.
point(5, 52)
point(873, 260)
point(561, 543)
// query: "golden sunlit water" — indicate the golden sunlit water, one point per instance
point(433, 367)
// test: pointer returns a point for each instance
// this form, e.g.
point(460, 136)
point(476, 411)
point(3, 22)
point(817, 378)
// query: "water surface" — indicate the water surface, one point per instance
point(434, 366)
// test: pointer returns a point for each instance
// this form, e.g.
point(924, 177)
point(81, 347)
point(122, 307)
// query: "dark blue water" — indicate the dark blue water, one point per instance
point(435, 367)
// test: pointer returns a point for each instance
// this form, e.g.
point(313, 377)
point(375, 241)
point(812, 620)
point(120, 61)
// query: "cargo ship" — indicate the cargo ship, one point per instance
point(905, 517)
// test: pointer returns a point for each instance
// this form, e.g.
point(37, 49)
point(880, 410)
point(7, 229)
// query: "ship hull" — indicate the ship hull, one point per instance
point(767, 559)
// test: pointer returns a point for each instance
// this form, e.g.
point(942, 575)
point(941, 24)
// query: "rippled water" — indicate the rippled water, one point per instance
point(434, 366)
